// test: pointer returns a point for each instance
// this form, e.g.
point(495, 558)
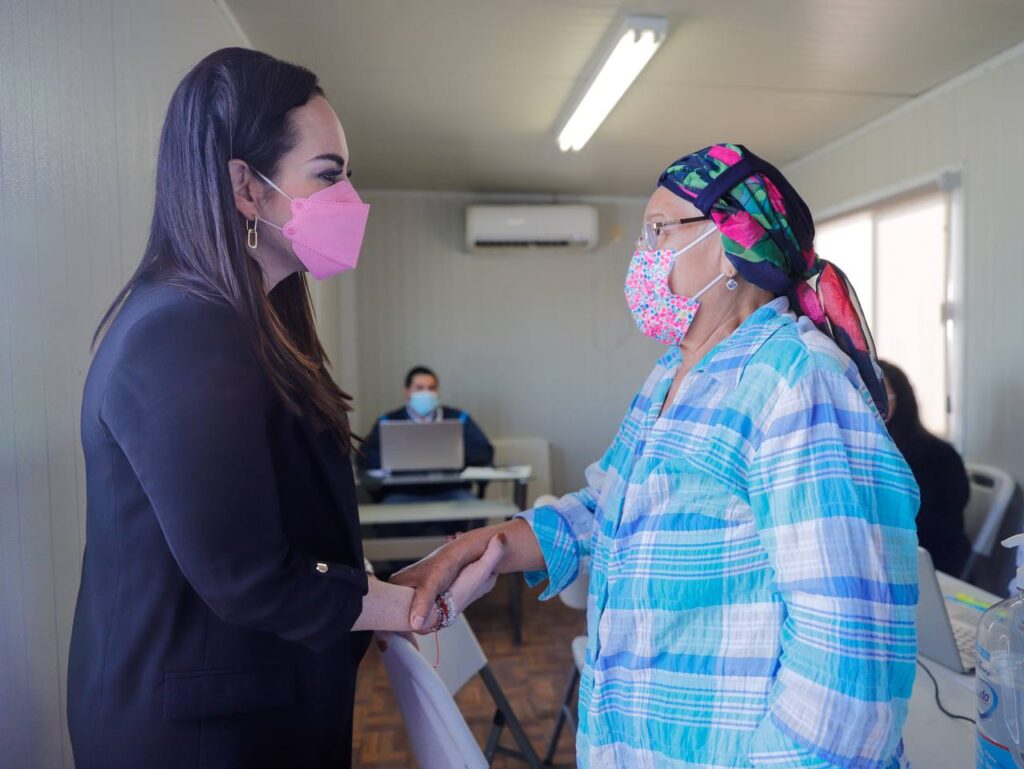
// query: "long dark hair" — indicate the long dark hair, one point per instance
point(235, 103)
point(905, 420)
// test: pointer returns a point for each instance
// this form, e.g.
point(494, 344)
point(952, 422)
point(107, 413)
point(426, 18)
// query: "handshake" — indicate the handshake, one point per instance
point(453, 576)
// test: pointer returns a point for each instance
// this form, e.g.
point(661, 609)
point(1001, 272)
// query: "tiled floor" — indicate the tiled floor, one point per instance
point(533, 677)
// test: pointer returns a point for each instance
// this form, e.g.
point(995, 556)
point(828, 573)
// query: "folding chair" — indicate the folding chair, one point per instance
point(575, 597)
point(438, 734)
point(991, 492)
point(461, 659)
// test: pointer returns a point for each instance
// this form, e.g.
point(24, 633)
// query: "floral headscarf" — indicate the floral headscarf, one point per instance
point(768, 234)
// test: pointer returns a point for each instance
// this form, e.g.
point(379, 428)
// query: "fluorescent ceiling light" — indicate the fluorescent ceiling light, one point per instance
point(632, 48)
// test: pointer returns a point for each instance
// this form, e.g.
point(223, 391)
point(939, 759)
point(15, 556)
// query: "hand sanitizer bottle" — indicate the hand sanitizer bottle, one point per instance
point(1000, 679)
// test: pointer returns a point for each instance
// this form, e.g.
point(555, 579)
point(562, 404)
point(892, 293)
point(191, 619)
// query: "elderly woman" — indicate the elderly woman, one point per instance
point(751, 527)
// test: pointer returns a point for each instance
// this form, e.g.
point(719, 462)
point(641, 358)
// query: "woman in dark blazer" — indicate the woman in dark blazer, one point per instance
point(223, 582)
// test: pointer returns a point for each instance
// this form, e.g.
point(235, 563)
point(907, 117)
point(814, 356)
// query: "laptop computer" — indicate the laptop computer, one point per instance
point(946, 630)
point(421, 447)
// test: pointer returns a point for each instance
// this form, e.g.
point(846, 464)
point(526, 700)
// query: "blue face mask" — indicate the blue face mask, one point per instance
point(424, 402)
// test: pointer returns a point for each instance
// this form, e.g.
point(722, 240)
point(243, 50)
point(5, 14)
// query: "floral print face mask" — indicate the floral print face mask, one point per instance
point(660, 314)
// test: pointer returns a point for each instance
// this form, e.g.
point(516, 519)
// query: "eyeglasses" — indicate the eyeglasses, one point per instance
point(652, 230)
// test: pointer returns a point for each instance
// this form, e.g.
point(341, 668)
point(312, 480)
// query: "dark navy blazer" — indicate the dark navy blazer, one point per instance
point(223, 569)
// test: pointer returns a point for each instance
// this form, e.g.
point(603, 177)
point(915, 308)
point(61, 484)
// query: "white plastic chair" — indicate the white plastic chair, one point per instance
point(565, 709)
point(437, 731)
point(991, 492)
point(535, 452)
point(575, 597)
point(461, 659)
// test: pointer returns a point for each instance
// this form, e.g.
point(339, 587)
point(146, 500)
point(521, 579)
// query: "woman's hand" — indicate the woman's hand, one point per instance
point(435, 574)
point(479, 577)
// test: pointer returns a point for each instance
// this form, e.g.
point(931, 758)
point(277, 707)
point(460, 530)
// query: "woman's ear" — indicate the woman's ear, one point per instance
point(725, 265)
point(244, 184)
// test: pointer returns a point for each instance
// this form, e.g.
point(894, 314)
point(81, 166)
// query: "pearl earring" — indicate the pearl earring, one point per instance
point(731, 284)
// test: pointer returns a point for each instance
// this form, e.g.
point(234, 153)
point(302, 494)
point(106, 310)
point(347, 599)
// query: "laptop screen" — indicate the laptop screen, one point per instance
point(407, 446)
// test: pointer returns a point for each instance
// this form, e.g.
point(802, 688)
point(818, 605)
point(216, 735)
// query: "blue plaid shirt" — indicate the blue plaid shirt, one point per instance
point(753, 565)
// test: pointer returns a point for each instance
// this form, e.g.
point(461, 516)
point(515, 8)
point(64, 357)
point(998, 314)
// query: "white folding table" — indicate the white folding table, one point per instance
point(932, 739)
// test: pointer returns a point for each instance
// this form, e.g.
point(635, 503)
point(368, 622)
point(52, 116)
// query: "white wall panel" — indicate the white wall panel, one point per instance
point(83, 89)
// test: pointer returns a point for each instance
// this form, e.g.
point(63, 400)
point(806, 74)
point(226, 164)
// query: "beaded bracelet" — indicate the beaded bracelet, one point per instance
point(446, 612)
point(445, 616)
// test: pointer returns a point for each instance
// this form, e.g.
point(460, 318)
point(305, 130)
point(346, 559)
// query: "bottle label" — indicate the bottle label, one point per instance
point(992, 755)
point(988, 700)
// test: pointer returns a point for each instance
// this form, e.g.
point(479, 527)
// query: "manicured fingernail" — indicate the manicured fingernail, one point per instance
point(417, 623)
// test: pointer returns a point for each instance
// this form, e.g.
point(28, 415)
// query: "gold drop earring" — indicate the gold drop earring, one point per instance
point(252, 236)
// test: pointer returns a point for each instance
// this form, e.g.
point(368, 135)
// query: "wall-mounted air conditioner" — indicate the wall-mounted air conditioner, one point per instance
point(492, 228)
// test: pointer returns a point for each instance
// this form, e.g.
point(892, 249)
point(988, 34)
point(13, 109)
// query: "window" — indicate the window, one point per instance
point(897, 255)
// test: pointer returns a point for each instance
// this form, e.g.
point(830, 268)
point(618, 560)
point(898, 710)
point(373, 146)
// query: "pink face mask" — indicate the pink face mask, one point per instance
point(660, 314)
point(326, 229)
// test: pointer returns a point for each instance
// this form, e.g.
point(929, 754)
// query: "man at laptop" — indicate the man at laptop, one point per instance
point(422, 405)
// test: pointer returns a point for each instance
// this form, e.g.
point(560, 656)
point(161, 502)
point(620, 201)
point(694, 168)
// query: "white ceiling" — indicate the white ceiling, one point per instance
point(466, 94)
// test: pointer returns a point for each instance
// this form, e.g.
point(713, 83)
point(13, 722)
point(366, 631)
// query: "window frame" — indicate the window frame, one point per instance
point(948, 181)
